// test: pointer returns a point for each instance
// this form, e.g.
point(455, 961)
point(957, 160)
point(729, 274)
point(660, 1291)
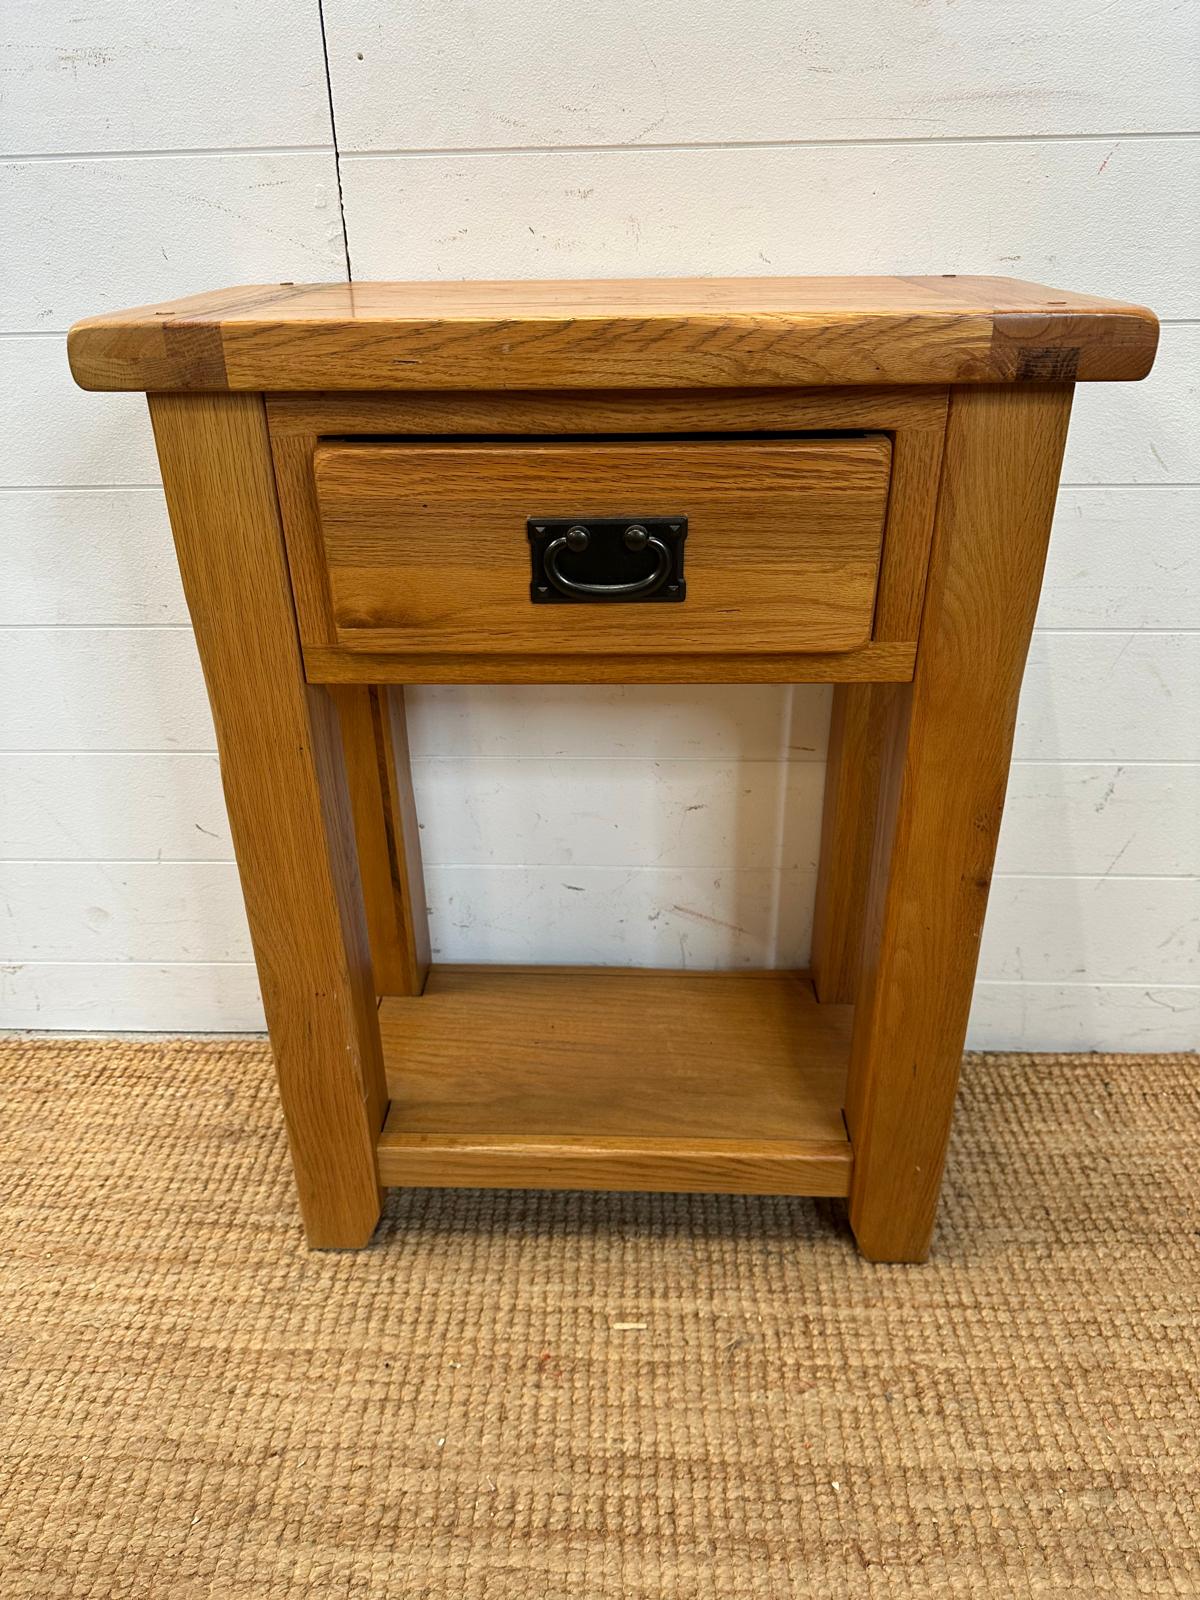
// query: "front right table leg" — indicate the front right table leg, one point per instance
point(945, 771)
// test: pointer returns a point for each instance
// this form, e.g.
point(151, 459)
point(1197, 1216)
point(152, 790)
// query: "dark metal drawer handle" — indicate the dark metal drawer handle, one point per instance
point(586, 560)
point(636, 538)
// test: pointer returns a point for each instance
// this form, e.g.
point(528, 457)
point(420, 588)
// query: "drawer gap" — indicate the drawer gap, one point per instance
point(702, 436)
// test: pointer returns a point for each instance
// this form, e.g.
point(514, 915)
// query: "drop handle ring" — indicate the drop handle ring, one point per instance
point(636, 538)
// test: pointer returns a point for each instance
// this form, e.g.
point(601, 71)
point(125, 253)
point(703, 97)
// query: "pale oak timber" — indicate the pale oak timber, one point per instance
point(644, 333)
point(377, 766)
point(289, 811)
point(425, 547)
point(616, 1079)
point(673, 1165)
point(443, 413)
point(853, 772)
point(872, 663)
point(912, 494)
point(404, 835)
point(915, 419)
point(945, 769)
point(911, 587)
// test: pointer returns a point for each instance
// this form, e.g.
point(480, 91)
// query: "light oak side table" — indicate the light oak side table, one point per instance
point(821, 480)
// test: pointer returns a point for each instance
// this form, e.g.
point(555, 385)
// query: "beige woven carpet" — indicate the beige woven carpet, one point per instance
point(592, 1396)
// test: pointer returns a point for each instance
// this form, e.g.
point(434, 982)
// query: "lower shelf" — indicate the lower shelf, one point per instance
point(599, 1078)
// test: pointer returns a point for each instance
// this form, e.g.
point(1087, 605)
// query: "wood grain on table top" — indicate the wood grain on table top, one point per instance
point(629, 333)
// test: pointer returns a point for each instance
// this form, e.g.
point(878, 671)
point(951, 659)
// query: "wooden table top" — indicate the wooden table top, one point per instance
point(613, 334)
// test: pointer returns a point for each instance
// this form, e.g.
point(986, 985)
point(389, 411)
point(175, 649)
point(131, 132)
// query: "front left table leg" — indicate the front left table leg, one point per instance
point(285, 787)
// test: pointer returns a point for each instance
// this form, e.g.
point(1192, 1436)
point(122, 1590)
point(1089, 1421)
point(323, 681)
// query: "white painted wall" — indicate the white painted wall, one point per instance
point(161, 150)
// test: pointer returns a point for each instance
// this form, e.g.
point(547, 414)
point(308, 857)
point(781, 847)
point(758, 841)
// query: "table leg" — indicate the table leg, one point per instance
point(852, 776)
point(375, 740)
point(945, 770)
point(285, 787)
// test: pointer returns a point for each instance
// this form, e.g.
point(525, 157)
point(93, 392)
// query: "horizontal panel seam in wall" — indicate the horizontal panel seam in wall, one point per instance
point(1125, 483)
point(1141, 633)
point(209, 750)
point(1101, 761)
point(248, 965)
point(440, 866)
point(96, 627)
point(125, 750)
point(21, 965)
point(996, 983)
point(616, 147)
point(444, 151)
point(1041, 983)
point(650, 758)
point(1097, 877)
point(119, 862)
point(469, 759)
point(152, 485)
point(182, 153)
point(720, 761)
point(704, 866)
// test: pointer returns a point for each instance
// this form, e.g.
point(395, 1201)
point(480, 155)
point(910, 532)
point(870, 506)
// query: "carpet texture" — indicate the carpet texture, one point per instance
point(598, 1397)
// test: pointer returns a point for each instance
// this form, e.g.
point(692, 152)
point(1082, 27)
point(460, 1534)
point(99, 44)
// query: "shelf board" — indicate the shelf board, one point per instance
point(606, 1078)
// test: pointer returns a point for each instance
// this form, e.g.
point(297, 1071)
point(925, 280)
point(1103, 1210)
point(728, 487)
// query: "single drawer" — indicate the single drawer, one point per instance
point(427, 546)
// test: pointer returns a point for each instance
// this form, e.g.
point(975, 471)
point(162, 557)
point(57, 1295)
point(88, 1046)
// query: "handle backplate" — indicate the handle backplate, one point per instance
point(606, 560)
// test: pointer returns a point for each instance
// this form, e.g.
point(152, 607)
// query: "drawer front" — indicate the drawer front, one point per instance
point(426, 546)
